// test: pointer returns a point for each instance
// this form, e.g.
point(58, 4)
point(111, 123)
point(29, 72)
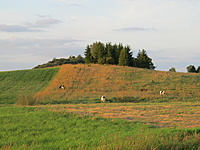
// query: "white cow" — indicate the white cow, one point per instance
point(103, 99)
point(162, 92)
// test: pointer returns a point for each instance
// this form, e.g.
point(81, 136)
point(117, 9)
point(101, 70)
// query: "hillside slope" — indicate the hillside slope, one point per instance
point(16, 84)
point(85, 83)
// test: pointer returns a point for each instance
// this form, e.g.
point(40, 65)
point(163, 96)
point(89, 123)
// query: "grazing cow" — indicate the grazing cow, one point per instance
point(143, 90)
point(162, 92)
point(62, 87)
point(103, 99)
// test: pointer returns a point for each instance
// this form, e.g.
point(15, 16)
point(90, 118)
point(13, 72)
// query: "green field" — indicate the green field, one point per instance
point(23, 83)
point(36, 128)
point(74, 118)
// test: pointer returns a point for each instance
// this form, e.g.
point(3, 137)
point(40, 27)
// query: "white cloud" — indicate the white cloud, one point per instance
point(135, 29)
point(16, 28)
point(46, 22)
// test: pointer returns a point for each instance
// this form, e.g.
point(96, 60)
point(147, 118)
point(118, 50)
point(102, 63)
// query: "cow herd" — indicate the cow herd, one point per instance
point(103, 98)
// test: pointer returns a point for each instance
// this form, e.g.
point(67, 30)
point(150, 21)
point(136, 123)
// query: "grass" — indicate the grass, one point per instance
point(162, 115)
point(36, 128)
point(22, 85)
point(80, 121)
point(87, 83)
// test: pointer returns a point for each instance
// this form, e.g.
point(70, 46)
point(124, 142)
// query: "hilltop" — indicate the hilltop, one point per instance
point(87, 83)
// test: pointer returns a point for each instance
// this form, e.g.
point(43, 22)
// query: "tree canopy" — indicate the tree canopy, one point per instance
point(100, 53)
point(116, 54)
point(56, 62)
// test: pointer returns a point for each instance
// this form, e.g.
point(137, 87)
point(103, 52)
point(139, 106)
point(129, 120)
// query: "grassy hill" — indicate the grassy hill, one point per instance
point(15, 85)
point(87, 83)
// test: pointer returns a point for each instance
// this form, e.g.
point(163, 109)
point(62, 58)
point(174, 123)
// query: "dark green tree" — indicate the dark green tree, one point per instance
point(110, 53)
point(130, 55)
point(98, 51)
point(117, 49)
point(172, 69)
point(88, 55)
point(191, 68)
point(198, 69)
point(124, 58)
point(143, 61)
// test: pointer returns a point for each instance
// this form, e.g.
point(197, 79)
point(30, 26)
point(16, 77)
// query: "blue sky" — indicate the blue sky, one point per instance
point(34, 31)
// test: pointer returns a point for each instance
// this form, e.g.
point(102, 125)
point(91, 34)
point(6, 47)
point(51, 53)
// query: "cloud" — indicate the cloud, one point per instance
point(16, 28)
point(29, 52)
point(43, 23)
point(26, 43)
point(136, 29)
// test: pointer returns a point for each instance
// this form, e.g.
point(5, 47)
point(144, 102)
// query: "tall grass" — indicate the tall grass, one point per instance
point(19, 85)
point(120, 84)
point(36, 128)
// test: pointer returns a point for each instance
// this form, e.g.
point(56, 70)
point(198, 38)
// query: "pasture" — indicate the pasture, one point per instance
point(21, 86)
point(87, 83)
point(36, 114)
point(43, 128)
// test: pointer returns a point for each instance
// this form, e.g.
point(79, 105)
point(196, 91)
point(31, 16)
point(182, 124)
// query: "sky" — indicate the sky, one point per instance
point(33, 32)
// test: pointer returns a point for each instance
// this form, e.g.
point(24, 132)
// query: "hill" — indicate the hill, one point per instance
point(23, 84)
point(87, 83)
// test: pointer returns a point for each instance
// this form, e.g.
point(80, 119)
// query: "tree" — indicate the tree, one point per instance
point(123, 58)
point(198, 69)
point(88, 55)
point(110, 53)
point(98, 51)
point(191, 68)
point(143, 61)
point(172, 69)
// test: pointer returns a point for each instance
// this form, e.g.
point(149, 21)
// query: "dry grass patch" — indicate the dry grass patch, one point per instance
point(172, 115)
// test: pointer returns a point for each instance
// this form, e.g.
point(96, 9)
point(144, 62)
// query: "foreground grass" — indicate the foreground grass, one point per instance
point(37, 128)
point(22, 85)
point(170, 115)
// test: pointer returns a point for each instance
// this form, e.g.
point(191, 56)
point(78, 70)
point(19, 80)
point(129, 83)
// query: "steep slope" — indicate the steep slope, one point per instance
point(89, 82)
point(16, 84)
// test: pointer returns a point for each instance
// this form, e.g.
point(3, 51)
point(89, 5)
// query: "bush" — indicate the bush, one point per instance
point(27, 99)
point(191, 68)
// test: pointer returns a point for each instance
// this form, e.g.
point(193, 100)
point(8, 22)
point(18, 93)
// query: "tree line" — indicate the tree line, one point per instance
point(57, 62)
point(116, 54)
point(100, 53)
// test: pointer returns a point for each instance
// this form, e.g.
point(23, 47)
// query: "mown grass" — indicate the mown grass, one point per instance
point(165, 115)
point(22, 85)
point(36, 128)
point(87, 83)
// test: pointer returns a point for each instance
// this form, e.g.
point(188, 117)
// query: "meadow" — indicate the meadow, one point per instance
point(87, 83)
point(36, 114)
point(38, 128)
point(21, 86)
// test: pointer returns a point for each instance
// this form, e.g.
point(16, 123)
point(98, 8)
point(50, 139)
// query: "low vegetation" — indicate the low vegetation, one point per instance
point(21, 86)
point(87, 83)
point(134, 116)
point(36, 128)
point(165, 115)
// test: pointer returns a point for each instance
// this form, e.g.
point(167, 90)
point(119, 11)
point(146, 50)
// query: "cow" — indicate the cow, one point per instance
point(143, 90)
point(62, 87)
point(103, 99)
point(162, 92)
